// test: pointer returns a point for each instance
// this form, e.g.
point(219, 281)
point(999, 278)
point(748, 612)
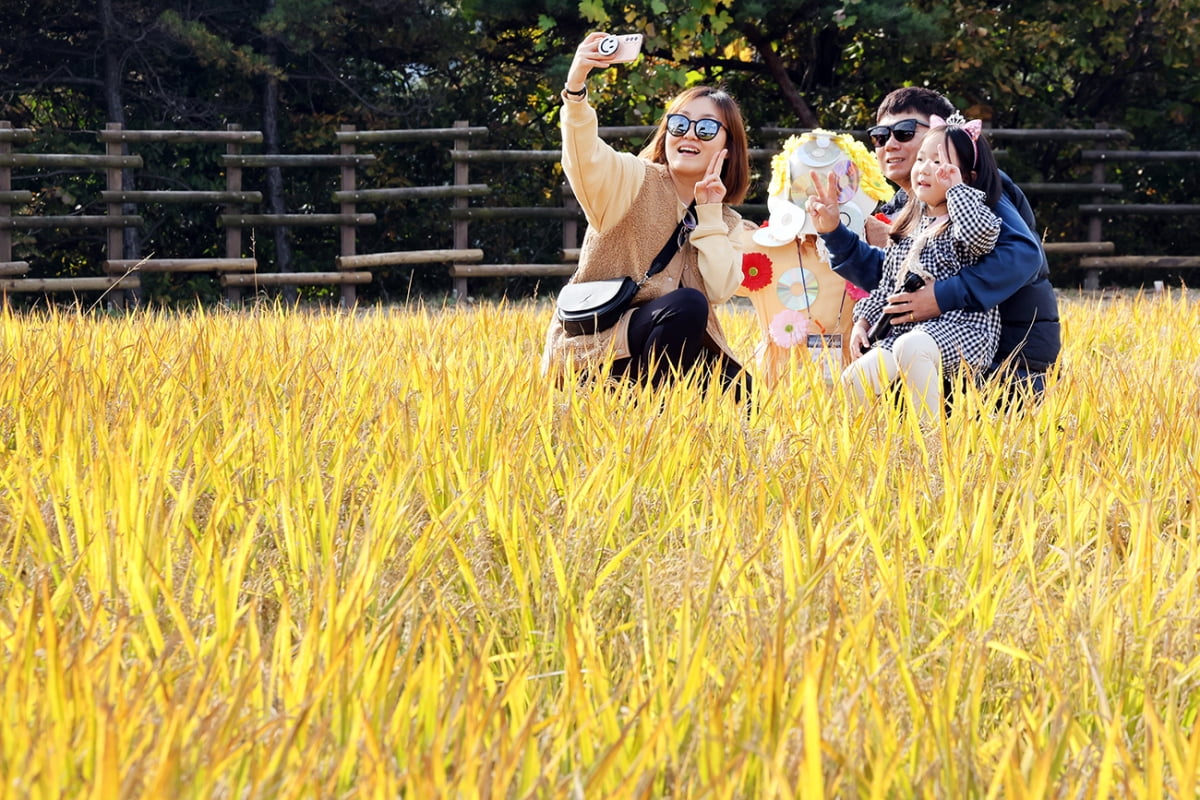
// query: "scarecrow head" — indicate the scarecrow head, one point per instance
point(822, 153)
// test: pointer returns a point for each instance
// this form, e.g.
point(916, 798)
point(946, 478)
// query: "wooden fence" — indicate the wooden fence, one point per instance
point(236, 271)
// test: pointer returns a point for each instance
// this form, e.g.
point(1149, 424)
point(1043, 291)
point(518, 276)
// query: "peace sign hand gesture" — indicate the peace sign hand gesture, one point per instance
point(823, 205)
point(946, 174)
point(710, 188)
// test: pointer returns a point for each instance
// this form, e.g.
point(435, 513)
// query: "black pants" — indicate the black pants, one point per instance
point(668, 334)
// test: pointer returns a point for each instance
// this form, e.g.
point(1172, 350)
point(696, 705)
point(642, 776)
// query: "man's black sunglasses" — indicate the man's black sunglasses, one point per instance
point(904, 131)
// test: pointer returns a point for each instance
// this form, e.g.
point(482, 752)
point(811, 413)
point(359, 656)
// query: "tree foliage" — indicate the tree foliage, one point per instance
point(1022, 63)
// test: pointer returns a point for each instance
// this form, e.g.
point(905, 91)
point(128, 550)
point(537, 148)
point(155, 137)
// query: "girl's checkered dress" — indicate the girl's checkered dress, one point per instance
point(969, 336)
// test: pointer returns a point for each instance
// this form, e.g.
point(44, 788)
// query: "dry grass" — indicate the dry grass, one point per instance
point(319, 555)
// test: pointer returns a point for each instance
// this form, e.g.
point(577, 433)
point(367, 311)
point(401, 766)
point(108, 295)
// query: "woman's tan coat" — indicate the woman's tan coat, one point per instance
point(632, 208)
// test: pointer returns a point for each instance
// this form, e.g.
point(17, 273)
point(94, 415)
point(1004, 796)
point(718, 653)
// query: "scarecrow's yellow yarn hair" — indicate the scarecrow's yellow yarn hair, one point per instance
point(871, 178)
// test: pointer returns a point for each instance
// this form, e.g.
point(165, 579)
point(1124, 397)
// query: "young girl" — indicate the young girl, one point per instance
point(951, 224)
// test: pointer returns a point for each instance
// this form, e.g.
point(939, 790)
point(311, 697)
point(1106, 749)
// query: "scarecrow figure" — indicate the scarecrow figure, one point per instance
point(804, 308)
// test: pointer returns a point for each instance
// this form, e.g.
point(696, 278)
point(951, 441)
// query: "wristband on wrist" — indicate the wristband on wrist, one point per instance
point(574, 93)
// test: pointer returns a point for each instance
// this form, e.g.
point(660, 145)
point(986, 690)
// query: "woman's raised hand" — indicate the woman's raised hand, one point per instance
point(587, 58)
point(823, 205)
point(710, 188)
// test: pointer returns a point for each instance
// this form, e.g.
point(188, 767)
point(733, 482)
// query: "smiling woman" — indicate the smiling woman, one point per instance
point(672, 200)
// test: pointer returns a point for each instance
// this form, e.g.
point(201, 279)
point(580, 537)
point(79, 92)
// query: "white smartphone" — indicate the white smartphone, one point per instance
point(621, 49)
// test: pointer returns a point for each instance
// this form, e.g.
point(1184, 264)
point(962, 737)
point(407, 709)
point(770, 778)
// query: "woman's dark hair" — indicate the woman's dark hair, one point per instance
point(736, 172)
point(979, 170)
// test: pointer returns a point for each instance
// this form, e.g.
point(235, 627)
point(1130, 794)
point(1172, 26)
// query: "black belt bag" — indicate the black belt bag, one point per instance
point(589, 307)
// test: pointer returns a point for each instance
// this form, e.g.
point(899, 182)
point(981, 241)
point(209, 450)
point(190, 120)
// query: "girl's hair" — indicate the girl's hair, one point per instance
point(736, 172)
point(979, 170)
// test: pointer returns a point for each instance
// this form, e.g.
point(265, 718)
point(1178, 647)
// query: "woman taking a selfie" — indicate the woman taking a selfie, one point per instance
point(668, 202)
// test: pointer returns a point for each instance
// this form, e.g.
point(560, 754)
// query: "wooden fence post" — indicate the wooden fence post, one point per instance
point(5, 187)
point(1095, 231)
point(461, 232)
point(115, 245)
point(348, 233)
point(233, 234)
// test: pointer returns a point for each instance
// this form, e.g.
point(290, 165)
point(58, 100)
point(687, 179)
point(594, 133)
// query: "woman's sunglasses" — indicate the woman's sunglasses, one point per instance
point(706, 129)
point(904, 131)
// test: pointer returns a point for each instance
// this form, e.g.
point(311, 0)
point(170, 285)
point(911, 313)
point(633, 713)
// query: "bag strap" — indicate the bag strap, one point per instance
point(671, 247)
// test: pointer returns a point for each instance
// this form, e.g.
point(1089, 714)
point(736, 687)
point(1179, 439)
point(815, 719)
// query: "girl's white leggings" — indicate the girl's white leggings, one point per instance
point(915, 359)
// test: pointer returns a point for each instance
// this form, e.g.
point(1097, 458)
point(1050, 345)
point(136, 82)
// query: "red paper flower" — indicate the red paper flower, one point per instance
point(855, 292)
point(756, 271)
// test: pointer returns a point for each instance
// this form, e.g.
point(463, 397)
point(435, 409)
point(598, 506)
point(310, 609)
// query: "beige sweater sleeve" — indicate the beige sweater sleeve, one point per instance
point(605, 181)
point(718, 252)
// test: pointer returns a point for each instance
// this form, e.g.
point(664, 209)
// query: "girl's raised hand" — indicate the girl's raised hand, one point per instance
point(946, 174)
point(710, 188)
point(822, 205)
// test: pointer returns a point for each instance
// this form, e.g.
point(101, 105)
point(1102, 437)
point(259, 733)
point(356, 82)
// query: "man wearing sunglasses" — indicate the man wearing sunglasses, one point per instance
point(1015, 276)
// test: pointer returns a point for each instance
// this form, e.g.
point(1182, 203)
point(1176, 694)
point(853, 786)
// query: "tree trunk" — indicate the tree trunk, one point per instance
point(275, 199)
point(115, 108)
point(804, 113)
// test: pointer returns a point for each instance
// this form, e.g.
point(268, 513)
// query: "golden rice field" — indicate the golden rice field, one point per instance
point(279, 554)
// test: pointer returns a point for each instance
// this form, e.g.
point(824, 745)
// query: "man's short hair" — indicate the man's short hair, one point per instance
point(914, 99)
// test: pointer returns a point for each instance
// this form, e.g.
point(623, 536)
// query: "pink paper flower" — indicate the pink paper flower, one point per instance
point(855, 292)
point(789, 328)
point(756, 271)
